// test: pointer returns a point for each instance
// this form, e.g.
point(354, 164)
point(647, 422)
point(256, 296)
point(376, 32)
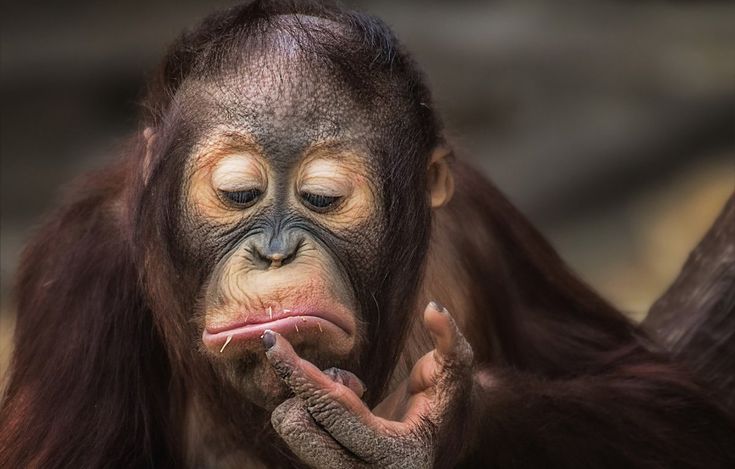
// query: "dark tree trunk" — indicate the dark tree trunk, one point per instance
point(695, 318)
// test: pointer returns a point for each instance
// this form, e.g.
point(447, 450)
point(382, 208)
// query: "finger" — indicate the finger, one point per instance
point(346, 378)
point(306, 439)
point(451, 346)
point(308, 381)
point(333, 405)
point(453, 359)
point(305, 379)
point(424, 374)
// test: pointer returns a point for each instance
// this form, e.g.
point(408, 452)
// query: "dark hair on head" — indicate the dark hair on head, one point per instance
point(361, 49)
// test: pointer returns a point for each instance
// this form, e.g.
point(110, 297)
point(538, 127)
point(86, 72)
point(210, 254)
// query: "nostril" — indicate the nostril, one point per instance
point(279, 259)
point(287, 259)
point(276, 259)
point(276, 254)
point(260, 259)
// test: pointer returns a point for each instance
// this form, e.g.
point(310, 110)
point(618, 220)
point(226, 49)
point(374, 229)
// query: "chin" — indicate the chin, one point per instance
point(247, 369)
point(256, 382)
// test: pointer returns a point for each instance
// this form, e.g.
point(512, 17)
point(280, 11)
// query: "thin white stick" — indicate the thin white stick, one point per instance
point(270, 312)
point(229, 338)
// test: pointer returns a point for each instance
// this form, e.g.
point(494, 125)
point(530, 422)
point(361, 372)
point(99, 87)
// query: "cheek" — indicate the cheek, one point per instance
point(360, 210)
point(201, 201)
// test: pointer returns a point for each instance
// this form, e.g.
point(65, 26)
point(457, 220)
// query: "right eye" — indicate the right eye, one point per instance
point(241, 199)
point(319, 202)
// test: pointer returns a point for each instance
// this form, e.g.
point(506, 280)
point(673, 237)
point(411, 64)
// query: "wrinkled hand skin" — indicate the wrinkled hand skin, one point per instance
point(326, 424)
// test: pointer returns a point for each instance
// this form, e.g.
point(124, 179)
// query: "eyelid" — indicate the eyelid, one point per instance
point(321, 190)
point(237, 173)
point(328, 186)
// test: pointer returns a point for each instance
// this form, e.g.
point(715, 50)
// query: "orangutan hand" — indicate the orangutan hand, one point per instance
point(326, 424)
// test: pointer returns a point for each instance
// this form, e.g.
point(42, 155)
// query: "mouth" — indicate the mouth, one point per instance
point(297, 324)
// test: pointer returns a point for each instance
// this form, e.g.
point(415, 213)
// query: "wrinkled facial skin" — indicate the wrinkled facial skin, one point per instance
point(282, 211)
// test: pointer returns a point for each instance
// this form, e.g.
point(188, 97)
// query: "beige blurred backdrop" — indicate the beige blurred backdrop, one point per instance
point(610, 124)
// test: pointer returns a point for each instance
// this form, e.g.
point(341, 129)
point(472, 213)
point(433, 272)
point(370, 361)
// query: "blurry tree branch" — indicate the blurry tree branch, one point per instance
point(695, 318)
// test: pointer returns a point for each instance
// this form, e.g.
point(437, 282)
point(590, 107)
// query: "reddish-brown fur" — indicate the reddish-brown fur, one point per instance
point(106, 372)
point(572, 380)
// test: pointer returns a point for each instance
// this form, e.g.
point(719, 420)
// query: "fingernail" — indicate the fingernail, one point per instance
point(269, 339)
point(437, 306)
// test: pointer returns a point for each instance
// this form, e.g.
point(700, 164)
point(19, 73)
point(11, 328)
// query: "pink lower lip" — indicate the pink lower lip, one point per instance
point(253, 328)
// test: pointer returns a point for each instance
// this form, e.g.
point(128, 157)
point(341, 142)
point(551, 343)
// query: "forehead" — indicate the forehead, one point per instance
point(281, 97)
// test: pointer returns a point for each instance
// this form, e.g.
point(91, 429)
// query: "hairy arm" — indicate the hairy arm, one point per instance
point(86, 384)
point(641, 413)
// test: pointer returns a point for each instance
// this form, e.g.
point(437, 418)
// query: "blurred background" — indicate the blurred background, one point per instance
point(611, 125)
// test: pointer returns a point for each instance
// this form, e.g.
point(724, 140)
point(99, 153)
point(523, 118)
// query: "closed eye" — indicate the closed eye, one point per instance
point(241, 199)
point(318, 202)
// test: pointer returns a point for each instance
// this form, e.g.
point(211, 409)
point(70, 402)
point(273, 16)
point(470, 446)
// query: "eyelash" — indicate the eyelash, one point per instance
point(319, 203)
point(242, 199)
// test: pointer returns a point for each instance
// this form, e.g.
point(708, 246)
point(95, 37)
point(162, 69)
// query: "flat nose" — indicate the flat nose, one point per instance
point(279, 251)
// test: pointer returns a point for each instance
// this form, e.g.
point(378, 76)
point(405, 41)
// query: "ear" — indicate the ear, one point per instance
point(441, 181)
point(150, 140)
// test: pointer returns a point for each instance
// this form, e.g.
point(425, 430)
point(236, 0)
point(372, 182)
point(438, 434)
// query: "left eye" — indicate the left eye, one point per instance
point(319, 202)
point(242, 198)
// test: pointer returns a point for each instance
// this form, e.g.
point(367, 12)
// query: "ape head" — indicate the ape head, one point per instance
point(291, 162)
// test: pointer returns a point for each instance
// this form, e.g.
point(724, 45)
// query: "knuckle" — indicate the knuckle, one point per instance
point(326, 399)
point(464, 353)
point(283, 370)
point(294, 427)
point(324, 409)
point(291, 431)
point(286, 408)
point(461, 358)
